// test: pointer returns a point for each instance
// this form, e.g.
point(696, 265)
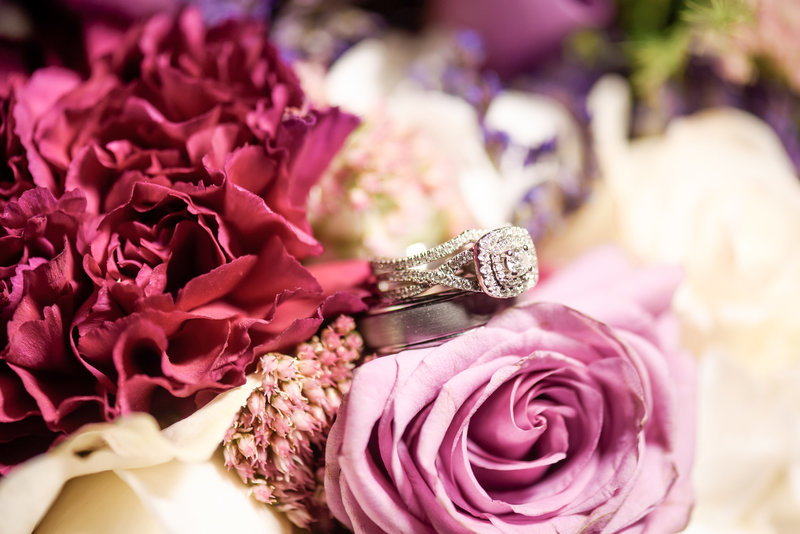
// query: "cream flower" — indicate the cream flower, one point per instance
point(717, 194)
point(748, 451)
point(130, 477)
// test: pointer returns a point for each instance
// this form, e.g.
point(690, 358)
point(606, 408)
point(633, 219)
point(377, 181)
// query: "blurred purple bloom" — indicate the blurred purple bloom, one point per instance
point(520, 33)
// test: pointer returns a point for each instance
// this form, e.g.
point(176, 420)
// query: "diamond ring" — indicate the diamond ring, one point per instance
point(501, 263)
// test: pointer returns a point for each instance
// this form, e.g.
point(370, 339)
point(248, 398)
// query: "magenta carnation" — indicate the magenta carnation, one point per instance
point(171, 188)
point(14, 173)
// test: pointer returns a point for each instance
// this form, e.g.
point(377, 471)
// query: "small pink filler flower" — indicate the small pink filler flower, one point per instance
point(277, 442)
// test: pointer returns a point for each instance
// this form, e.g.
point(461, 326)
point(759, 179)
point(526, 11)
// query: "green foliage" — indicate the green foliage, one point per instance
point(659, 34)
point(642, 18)
point(717, 15)
point(658, 58)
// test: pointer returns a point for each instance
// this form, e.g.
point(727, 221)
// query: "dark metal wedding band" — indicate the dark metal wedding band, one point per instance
point(427, 321)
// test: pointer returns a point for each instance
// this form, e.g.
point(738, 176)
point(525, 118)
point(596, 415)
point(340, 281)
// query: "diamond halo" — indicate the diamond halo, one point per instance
point(501, 263)
point(506, 263)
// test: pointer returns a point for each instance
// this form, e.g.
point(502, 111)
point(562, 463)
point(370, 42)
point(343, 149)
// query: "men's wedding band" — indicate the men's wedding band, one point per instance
point(428, 320)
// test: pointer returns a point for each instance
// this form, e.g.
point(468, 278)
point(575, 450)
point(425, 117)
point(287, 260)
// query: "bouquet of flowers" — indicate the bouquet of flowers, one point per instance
point(388, 267)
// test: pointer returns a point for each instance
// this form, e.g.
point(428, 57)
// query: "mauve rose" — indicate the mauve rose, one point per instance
point(193, 155)
point(519, 33)
point(546, 420)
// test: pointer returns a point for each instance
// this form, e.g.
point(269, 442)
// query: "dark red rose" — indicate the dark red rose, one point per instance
point(193, 153)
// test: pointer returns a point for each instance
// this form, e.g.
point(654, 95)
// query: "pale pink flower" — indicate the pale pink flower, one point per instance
point(571, 413)
point(388, 188)
point(277, 442)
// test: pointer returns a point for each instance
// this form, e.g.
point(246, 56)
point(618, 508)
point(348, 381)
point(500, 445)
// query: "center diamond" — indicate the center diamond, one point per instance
point(518, 261)
point(506, 264)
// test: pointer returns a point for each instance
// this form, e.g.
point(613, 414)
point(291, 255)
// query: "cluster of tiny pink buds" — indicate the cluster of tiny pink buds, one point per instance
point(387, 188)
point(277, 442)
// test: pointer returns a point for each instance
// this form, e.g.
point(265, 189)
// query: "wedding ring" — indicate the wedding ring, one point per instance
point(500, 263)
point(427, 321)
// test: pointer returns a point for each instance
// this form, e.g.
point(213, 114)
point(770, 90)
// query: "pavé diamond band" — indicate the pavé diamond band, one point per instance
point(501, 263)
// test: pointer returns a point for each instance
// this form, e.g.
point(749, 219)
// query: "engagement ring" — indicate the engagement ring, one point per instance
point(501, 263)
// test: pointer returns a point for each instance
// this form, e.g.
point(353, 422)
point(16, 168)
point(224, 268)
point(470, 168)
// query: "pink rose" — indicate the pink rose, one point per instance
point(519, 33)
point(548, 419)
point(191, 152)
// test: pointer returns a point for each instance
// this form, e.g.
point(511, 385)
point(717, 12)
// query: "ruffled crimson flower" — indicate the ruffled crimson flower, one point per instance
point(193, 153)
point(14, 175)
point(44, 389)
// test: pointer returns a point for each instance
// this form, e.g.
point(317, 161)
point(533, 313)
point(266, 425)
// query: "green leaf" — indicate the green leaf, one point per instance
point(656, 60)
point(643, 18)
point(719, 15)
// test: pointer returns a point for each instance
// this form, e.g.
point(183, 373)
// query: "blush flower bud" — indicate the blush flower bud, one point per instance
point(277, 443)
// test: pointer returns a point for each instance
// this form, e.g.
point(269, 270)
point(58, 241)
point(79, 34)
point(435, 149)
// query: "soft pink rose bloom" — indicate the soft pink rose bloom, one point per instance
point(518, 33)
point(547, 420)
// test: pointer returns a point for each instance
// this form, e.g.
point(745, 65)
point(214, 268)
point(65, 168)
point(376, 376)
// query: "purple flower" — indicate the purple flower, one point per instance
point(546, 420)
point(519, 33)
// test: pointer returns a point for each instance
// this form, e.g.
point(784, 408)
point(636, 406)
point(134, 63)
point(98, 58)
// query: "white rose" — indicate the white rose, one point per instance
point(130, 477)
point(717, 194)
point(748, 450)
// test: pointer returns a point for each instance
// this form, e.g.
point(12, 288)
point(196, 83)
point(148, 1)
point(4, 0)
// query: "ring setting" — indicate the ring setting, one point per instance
point(501, 263)
point(506, 262)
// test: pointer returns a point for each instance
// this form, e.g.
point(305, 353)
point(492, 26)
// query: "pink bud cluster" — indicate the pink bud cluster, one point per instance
point(387, 188)
point(277, 442)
